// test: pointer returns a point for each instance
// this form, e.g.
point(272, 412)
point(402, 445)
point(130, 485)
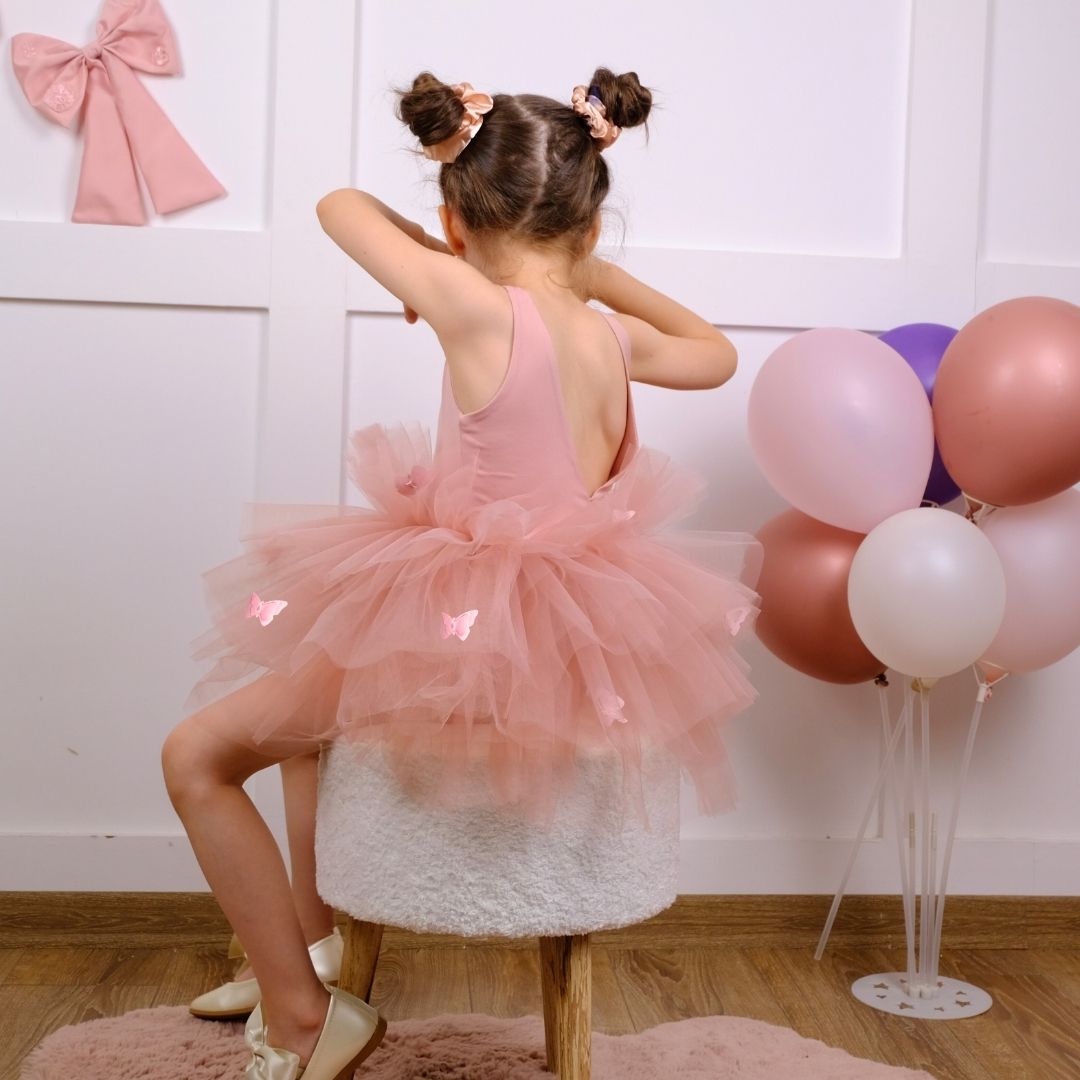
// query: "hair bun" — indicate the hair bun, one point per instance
point(626, 101)
point(430, 109)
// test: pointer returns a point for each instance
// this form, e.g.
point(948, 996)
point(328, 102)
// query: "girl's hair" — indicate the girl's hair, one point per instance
point(533, 169)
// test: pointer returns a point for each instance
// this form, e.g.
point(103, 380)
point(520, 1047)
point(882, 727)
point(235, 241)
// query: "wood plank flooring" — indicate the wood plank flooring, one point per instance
point(1031, 1032)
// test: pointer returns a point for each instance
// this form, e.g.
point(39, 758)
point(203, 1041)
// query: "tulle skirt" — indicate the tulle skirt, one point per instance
point(515, 633)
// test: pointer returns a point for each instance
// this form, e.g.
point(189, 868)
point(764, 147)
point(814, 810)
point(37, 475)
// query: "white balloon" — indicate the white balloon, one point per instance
point(926, 592)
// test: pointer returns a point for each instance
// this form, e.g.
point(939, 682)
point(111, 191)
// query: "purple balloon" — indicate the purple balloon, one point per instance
point(922, 345)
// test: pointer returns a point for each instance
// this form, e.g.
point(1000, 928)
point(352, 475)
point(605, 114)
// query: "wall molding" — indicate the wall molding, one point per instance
point(710, 864)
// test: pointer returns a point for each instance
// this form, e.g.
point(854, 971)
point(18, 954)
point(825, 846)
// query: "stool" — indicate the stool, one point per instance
point(383, 859)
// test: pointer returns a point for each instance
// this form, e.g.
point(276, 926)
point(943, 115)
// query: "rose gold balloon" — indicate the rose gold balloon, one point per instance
point(804, 618)
point(1007, 402)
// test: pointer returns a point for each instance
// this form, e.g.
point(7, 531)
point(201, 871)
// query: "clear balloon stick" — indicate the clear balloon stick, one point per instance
point(909, 806)
point(928, 967)
point(900, 827)
point(965, 761)
point(882, 773)
point(924, 921)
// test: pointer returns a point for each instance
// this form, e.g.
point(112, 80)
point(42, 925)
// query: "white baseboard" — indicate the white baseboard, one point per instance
point(784, 864)
point(724, 865)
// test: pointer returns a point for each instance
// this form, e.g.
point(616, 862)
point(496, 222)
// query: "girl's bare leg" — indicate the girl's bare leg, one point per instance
point(300, 787)
point(205, 760)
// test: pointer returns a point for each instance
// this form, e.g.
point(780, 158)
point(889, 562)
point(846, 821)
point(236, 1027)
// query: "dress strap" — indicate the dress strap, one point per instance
point(622, 335)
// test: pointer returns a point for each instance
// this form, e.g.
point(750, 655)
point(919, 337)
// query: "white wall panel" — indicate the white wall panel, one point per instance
point(128, 436)
point(1031, 212)
point(1029, 242)
point(832, 163)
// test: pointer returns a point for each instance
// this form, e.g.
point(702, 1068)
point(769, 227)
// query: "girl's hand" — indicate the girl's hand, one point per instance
point(436, 244)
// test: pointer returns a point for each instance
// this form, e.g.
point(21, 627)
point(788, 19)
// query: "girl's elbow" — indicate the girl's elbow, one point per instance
point(727, 365)
point(329, 199)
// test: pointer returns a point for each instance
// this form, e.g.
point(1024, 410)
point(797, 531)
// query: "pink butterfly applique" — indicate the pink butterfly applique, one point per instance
point(417, 475)
point(610, 705)
point(458, 624)
point(264, 610)
point(736, 617)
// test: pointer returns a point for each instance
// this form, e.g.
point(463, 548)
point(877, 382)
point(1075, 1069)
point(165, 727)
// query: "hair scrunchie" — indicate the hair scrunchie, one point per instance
point(586, 102)
point(476, 103)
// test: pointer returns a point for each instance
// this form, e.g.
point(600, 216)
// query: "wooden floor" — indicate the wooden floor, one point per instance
point(1030, 1033)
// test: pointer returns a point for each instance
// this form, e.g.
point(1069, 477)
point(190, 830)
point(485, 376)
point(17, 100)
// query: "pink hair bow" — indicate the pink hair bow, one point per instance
point(121, 116)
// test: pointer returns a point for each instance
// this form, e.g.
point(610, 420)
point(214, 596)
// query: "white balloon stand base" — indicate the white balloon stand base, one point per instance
point(952, 999)
point(919, 991)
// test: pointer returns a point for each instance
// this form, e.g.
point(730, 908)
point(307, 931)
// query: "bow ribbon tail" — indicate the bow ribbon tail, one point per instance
point(175, 175)
point(108, 187)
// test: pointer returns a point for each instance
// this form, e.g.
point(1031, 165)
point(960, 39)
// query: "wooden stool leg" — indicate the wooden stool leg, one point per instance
point(361, 954)
point(566, 981)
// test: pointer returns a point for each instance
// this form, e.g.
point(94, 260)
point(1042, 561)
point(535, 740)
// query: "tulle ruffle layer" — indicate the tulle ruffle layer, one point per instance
point(512, 632)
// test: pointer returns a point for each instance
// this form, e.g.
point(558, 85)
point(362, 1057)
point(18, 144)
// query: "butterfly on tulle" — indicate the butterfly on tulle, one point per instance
point(458, 625)
point(610, 707)
point(736, 617)
point(416, 476)
point(264, 610)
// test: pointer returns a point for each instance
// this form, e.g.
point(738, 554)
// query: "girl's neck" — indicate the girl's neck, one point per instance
point(524, 265)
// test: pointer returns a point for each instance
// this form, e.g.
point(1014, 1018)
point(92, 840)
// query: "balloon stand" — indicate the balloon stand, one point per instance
point(919, 991)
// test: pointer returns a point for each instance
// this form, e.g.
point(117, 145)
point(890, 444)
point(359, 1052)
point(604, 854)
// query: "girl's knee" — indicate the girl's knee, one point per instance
point(182, 760)
point(192, 758)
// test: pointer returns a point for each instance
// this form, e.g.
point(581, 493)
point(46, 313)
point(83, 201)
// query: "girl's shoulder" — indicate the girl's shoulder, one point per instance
point(481, 311)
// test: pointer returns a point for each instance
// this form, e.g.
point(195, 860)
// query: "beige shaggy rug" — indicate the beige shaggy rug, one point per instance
point(168, 1043)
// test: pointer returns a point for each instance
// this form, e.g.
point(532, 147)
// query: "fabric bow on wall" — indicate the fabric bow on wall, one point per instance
point(121, 116)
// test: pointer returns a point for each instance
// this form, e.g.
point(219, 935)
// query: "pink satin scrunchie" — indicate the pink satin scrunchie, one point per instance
point(592, 108)
point(121, 116)
point(476, 103)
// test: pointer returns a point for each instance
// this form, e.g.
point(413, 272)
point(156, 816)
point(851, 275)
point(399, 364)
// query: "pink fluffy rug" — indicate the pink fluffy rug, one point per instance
point(167, 1043)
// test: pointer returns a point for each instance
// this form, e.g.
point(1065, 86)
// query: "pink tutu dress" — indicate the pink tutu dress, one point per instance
point(487, 608)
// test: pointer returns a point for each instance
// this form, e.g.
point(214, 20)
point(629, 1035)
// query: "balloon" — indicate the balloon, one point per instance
point(926, 592)
point(1039, 549)
point(1007, 402)
point(804, 618)
point(922, 346)
point(841, 427)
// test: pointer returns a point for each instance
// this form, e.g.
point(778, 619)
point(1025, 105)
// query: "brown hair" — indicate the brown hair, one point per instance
point(533, 170)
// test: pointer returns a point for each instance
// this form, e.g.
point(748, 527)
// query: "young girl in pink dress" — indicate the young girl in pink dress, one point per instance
point(512, 597)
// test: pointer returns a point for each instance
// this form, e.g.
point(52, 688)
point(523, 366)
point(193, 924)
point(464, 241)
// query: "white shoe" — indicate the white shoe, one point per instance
point(351, 1032)
point(235, 999)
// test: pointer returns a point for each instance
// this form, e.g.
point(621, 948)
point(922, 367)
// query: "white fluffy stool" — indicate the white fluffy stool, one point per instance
point(383, 859)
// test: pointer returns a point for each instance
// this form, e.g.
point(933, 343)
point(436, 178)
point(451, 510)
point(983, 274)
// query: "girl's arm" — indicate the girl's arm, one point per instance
point(670, 345)
point(418, 269)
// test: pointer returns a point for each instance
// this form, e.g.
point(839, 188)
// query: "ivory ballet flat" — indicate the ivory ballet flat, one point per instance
point(235, 999)
point(351, 1032)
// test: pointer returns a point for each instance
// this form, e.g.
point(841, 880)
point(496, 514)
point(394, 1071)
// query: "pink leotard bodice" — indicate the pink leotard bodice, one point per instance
point(520, 439)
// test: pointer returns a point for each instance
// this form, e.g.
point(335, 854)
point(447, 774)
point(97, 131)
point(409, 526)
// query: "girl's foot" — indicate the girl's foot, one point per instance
point(246, 973)
point(299, 1035)
point(350, 1031)
point(236, 999)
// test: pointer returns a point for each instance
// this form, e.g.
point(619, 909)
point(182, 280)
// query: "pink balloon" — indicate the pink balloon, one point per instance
point(1007, 401)
point(841, 426)
point(1039, 547)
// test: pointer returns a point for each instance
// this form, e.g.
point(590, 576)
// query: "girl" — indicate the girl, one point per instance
point(510, 602)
